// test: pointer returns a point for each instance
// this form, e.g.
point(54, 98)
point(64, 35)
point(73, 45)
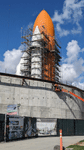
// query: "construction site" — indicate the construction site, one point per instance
point(36, 89)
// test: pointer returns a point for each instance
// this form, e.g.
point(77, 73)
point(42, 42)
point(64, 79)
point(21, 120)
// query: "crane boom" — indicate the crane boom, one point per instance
point(58, 88)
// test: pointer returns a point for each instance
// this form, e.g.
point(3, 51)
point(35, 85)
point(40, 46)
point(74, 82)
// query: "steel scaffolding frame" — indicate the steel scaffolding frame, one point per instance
point(50, 56)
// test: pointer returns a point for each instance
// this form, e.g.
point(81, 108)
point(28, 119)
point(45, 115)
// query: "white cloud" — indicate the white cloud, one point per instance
point(11, 60)
point(77, 30)
point(73, 50)
point(57, 17)
point(72, 13)
point(68, 73)
point(82, 50)
point(61, 31)
point(72, 69)
point(78, 84)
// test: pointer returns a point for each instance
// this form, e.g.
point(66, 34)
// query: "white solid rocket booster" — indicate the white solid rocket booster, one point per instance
point(36, 58)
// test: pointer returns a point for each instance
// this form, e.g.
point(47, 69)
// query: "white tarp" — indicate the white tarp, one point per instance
point(47, 127)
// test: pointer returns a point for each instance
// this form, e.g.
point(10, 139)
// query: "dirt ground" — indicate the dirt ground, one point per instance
point(80, 143)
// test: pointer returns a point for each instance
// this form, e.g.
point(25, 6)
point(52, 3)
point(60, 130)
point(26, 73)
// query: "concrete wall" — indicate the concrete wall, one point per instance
point(38, 99)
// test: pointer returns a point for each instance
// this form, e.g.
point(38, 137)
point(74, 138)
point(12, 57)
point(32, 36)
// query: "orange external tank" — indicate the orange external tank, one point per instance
point(46, 27)
point(43, 19)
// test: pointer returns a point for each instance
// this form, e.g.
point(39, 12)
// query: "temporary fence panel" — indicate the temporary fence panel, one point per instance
point(2, 126)
point(46, 127)
point(29, 127)
point(33, 123)
point(14, 127)
point(67, 126)
point(79, 127)
point(59, 126)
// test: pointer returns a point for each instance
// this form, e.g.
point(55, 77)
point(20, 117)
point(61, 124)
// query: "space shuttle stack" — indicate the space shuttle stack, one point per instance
point(41, 57)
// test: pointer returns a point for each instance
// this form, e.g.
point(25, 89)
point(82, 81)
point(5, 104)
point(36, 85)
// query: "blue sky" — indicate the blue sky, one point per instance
point(68, 20)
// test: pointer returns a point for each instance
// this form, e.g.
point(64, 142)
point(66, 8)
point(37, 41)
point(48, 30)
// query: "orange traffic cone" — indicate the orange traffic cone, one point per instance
point(61, 146)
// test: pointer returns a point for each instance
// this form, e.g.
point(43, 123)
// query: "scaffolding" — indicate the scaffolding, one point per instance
point(41, 60)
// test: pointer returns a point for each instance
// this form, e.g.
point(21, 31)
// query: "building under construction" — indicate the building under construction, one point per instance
point(36, 88)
